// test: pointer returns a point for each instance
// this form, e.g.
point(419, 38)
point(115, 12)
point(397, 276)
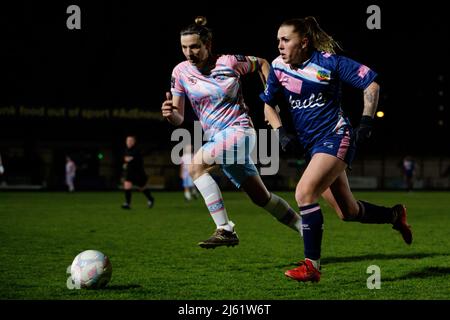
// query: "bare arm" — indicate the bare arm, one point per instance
point(272, 117)
point(364, 130)
point(264, 70)
point(173, 109)
point(371, 94)
point(270, 114)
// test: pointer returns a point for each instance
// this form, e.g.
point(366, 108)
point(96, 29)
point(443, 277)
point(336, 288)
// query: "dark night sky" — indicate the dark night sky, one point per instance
point(125, 51)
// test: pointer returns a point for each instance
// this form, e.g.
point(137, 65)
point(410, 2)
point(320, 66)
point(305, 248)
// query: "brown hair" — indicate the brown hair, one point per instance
point(309, 27)
point(198, 27)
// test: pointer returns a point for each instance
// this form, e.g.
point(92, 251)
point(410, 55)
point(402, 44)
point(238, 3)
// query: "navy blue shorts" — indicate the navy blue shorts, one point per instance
point(339, 145)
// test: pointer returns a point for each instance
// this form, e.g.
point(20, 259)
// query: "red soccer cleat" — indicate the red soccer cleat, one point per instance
point(401, 224)
point(305, 272)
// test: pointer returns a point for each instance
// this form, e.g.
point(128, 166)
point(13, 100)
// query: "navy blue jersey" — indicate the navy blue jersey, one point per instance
point(313, 92)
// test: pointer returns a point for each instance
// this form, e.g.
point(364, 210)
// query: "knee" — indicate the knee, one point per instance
point(305, 196)
point(195, 171)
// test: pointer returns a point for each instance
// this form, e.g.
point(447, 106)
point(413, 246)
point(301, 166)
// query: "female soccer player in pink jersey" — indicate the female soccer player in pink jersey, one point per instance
point(212, 85)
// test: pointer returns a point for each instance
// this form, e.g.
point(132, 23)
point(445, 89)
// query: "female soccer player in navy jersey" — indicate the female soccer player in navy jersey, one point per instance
point(309, 74)
point(212, 85)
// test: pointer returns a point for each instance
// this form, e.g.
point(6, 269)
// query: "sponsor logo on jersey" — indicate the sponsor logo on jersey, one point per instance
point(310, 102)
point(192, 80)
point(323, 75)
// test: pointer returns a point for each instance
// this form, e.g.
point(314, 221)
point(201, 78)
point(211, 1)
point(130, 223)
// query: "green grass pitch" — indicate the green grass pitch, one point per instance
point(155, 256)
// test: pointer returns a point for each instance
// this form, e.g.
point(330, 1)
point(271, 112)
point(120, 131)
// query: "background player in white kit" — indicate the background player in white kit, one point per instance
point(409, 172)
point(71, 170)
point(2, 169)
point(212, 85)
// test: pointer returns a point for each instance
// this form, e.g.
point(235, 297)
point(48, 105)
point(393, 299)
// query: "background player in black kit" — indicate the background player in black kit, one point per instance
point(134, 173)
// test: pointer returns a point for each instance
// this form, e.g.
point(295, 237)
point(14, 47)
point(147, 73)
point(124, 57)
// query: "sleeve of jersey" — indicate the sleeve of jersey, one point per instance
point(354, 73)
point(244, 64)
point(272, 87)
point(176, 87)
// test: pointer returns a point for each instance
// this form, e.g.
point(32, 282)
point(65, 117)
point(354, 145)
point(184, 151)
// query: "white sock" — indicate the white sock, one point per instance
point(283, 212)
point(316, 263)
point(187, 195)
point(210, 192)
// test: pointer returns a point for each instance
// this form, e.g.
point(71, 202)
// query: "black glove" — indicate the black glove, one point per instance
point(363, 131)
point(288, 141)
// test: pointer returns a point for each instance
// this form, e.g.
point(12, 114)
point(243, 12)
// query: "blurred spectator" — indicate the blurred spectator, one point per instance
point(409, 169)
point(71, 169)
point(2, 171)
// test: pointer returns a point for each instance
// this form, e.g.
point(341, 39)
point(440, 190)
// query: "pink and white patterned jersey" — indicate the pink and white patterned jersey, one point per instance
point(216, 97)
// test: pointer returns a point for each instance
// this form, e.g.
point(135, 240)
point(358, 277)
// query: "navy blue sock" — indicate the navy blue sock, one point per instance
point(128, 196)
point(312, 227)
point(371, 213)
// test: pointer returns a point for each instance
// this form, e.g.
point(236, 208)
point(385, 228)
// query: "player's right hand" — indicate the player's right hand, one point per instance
point(167, 106)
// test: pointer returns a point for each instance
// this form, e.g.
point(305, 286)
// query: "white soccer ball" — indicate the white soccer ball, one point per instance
point(91, 269)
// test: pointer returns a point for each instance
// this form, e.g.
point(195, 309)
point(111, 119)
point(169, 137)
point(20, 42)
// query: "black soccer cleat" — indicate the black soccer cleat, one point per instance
point(125, 206)
point(220, 237)
point(401, 224)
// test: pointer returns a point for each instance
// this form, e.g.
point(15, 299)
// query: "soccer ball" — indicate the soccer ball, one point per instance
point(91, 269)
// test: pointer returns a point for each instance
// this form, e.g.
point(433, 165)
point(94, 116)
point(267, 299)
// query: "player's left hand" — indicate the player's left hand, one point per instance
point(363, 132)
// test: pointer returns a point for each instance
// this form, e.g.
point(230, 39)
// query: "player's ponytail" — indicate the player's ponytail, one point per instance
point(201, 21)
point(309, 27)
point(198, 27)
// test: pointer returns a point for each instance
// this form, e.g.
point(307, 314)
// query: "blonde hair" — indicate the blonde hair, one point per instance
point(309, 27)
